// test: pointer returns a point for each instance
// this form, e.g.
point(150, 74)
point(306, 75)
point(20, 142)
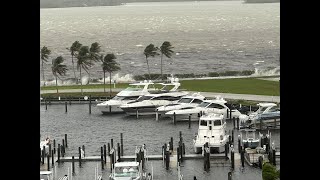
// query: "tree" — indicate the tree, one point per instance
point(165, 49)
point(269, 172)
point(75, 47)
point(150, 51)
point(109, 65)
point(94, 54)
point(83, 62)
point(58, 68)
point(44, 54)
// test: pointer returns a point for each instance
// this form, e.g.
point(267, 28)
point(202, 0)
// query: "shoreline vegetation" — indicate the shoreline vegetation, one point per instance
point(254, 86)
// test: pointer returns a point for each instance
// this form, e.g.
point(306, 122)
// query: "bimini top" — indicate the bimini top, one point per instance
point(126, 164)
point(211, 116)
point(45, 172)
point(266, 104)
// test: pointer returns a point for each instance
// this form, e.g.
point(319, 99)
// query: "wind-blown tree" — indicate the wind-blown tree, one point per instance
point(269, 172)
point(44, 55)
point(58, 68)
point(83, 62)
point(74, 49)
point(94, 54)
point(150, 51)
point(165, 49)
point(109, 65)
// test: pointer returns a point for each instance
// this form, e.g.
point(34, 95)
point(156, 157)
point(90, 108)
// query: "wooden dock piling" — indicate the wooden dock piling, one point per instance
point(234, 122)
point(119, 152)
point(105, 153)
point(84, 151)
point(59, 151)
point(43, 154)
point(72, 167)
point(121, 143)
point(66, 106)
point(89, 104)
point(226, 150)
point(79, 156)
point(109, 149)
point(274, 156)
point(102, 161)
point(52, 156)
point(242, 157)
point(174, 118)
point(40, 155)
point(48, 162)
point(54, 146)
point(238, 123)
point(171, 144)
point(112, 143)
point(229, 176)
point(65, 139)
point(232, 136)
point(189, 121)
point(45, 102)
point(167, 154)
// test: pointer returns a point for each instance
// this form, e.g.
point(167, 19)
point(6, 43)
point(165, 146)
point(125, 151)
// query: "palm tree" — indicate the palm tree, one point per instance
point(84, 61)
point(109, 65)
point(165, 49)
point(150, 50)
point(58, 68)
point(75, 47)
point(45, 52)
point(94, 54)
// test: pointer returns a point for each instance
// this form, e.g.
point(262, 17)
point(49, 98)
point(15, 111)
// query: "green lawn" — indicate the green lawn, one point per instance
point(237, 86)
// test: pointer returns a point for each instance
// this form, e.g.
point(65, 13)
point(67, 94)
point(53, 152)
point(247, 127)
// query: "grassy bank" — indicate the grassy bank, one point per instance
point(237, 86)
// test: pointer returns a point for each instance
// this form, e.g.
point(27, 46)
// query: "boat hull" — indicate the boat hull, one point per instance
point(107, 109)
point(147, 110)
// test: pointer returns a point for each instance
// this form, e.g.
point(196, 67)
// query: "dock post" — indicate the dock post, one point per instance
point(171, 144)
point(48, 162)
point(89, 104)
point(234, 122)
point(167, 159)
point(102, 162)
point(112, 143)
point(108, 149)
point(64, 145)
point(105, 153)
point(178, 155)
point(59, 151)
point(174, 118)
point(54, 146)
point(189, 121)
point(232, 137)
point(228, 114)
point(142, 157)
point(274, 156)
point(52, 156)
point(275, 123)
point(79, 156)
point(242, 157)
point(66, 106)
point(111, 159)
point(119, 152)
point(137, 113)
point(229, 176)
point(65, 139)
point(109, 109)
point(121, 143)
point(226, 150)
point(232, 159)
point(239, 143)
point(72, 164)
point(43, 154)
point(40, 155)
point(49, 150)
point(45, 102)
point(238, 123)
point(180, 136)
point(183, 149)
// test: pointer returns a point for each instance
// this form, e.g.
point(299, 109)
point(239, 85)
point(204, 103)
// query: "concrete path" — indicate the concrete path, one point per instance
point(206, 94)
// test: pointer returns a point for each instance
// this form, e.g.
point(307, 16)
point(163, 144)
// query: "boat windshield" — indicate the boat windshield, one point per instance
point(126, 171)
point(133, 88)
point(185, 100)
point(204, 104)
point(261, 109)
point(142, 98)
point(118, 98)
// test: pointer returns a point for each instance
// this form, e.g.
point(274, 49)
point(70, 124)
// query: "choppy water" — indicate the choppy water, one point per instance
point(96, 129)
point(207, 36)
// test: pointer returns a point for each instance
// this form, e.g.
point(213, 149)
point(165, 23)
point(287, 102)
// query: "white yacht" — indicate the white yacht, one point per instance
point(147, 104)
point(131, 93)
point(212, 129)
point(250, 140)
point(188, 101)
point(218, 105)
point(267, 112)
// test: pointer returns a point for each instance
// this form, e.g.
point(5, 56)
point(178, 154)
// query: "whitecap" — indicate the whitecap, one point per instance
point(139, 45)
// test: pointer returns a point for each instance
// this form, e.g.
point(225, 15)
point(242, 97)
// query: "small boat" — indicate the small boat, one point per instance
point(267, 112)
point(212, 130)
point(128, 171)
point(217, 105)
point(250, 140)
point(46, 175)
point(131, 93)
point(185, 102)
